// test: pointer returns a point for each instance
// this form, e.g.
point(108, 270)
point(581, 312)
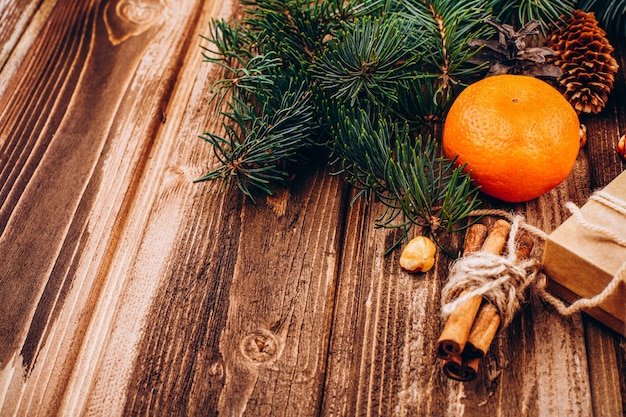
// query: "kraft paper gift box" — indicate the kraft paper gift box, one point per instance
point(579, 263)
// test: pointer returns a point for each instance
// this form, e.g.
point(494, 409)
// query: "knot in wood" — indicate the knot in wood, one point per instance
point(260, 346)
point(124, 19)
point(139, 12)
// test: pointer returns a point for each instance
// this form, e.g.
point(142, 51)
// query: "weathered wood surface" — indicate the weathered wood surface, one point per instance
point(125, 289)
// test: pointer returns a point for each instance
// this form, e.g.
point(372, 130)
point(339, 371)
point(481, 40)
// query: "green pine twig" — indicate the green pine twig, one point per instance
point(406, 173)
point(524, 11)
point(370, 60)
point(255, 149)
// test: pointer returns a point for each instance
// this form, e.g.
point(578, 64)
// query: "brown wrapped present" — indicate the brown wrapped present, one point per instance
point(585, 257)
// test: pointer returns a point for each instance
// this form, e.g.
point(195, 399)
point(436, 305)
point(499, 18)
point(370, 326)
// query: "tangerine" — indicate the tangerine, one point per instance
point(517, 134)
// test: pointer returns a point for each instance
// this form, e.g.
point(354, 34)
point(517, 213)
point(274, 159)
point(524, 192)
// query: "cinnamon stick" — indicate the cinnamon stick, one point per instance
point(454, 335)
point(464, 367)
point(496, 239)
point(460, 369)
point(524, 246)
point(470, 316)
point(483, 331)
point(457, 329)
point(488, 320)
point(474, 237)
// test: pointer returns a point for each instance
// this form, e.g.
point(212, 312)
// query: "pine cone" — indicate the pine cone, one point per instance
point(584, 54)
point(513, 52)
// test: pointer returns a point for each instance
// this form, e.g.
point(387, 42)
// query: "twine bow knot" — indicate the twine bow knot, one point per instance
point(502, 280)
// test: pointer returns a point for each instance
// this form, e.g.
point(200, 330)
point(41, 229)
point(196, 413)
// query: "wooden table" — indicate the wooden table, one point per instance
point(126, 289)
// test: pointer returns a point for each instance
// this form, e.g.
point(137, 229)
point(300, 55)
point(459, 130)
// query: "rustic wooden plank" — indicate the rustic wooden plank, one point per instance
point(214, 278)
point(382, 329)
point(22, 277)
point(352, 291)
point(164, 196)
point(604, 370)
point(39, 85)
point(260, 293)
point(620, 347)
point(82, 110)
point(147, 294)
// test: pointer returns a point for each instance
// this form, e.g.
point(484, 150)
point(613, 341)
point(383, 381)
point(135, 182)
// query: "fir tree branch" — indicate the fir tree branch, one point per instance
point(428, 190)
point(297, 29)
point(546, 11)
point(369, 60)
point(255, 76)
point(446, 60)
point(361, 144)
point(232, 43)
point(406, 173)
point(363, 77)
point(255, 149)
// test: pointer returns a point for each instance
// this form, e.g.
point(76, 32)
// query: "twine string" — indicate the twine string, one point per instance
point(503, 280)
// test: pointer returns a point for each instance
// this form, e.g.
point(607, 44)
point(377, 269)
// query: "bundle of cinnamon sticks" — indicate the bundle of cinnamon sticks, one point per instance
point(472, 326)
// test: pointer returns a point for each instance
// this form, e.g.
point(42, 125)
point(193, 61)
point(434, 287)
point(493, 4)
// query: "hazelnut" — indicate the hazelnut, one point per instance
point(620, 148)
point(418, 255)
point(583, 135)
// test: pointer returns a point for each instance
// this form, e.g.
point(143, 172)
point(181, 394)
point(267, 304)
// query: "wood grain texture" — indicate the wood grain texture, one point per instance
point(14, 18)
point(72, 148)
point(127, 289)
